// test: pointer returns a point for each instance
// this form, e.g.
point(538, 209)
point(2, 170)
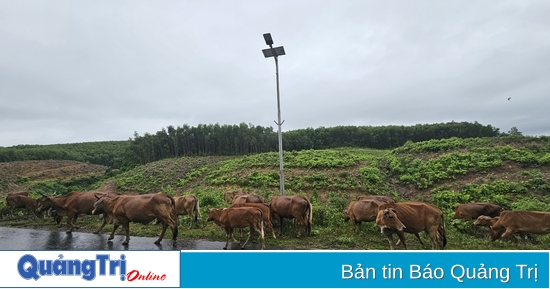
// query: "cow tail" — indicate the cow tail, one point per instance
point(174, 216)
point(309, 217)
point(197, 209)
point(441, 233)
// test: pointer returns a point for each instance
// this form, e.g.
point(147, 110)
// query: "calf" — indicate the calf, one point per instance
point(244, 217)
point(521, 222)
point(412, 217)
point(188, 205)
point(266, 214)
point(22, 201)
point(485, 221)
point(230, 195)
point(247, 198)
point(472, 211)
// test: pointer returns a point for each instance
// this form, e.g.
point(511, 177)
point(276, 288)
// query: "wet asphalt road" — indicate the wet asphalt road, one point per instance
point(31, 239)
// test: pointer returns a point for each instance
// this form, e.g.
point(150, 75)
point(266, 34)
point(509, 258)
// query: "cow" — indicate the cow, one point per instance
point(247, 198)
point(522, 222)
point(243, 217)
point(471, 211)
point(382, 199)
point(22, 201)
point(266, 214)
point(361, 211)
point(297, 207)
point(485, 221)
point(72, 205)
point(412, 217)
point(188, 205)
point(366, 210)
point(230, 195)
point(123, 209)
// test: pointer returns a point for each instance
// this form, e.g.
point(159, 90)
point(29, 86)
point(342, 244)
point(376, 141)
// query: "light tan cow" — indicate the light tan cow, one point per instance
point(231, 218)
point(522, 222)
point(188, 205)
point(266, 214)
point(247, 198)
point(412, 217)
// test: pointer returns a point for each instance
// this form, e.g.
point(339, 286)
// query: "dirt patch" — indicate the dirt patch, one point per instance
point(16, 176)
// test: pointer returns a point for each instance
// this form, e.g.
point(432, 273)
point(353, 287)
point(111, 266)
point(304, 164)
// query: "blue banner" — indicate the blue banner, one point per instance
point(364, 269)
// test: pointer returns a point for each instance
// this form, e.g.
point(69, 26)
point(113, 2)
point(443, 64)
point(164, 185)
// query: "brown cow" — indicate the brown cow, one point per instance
point(72, 205)
point(380, 199)
point(485, 221)
point(412, 217)
point(266, 214)
point(364, 210)
point(230, 195)
point(522, 222)
point(244, 217)
point(188, 205)
point(247, 198)
point(21, 201)
point(297, 207)
point(471, 211)
point(143, 209)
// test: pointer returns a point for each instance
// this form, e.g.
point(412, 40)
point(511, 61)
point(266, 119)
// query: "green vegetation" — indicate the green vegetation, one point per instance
point(511, 171)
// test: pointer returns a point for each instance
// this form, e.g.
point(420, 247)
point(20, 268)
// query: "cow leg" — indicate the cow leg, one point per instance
point(401, 236)
point(112, 236)
point(102, 225)
point(190, 220)
point(164, 227)
point(70, 221)
point(251, 231)
point(507, 233)
point(270, 225)
point(280, 220)
point(126, 226)
point(228, 231)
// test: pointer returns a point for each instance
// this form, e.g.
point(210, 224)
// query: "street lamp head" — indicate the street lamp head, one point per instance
point(268, 39)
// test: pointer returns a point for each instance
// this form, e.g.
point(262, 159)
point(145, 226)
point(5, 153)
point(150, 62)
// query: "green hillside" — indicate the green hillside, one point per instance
point(514, 172)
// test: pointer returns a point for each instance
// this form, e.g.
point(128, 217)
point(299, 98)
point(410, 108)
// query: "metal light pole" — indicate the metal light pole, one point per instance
point(275, 52)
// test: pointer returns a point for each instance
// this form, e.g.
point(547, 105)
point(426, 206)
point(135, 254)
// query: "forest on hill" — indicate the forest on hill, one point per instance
point(235, 140)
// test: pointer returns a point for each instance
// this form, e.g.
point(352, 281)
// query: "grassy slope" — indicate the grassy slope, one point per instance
point(330, 178)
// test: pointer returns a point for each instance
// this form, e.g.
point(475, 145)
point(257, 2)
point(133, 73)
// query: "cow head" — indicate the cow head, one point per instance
point(43, 203)
point(346, 215)
point(387, 219)
point(485, 221)
point(495, 233)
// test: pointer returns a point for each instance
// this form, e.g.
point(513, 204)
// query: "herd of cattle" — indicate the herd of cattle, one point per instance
point(250, 211)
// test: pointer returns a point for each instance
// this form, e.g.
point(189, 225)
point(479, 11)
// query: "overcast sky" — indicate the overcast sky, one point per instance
point(80, 71)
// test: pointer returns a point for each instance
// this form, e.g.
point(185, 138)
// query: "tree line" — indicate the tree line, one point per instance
point(242, 139)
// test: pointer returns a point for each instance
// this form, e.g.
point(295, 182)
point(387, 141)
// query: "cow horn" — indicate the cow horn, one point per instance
point(42, 194)
point(393, 210)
